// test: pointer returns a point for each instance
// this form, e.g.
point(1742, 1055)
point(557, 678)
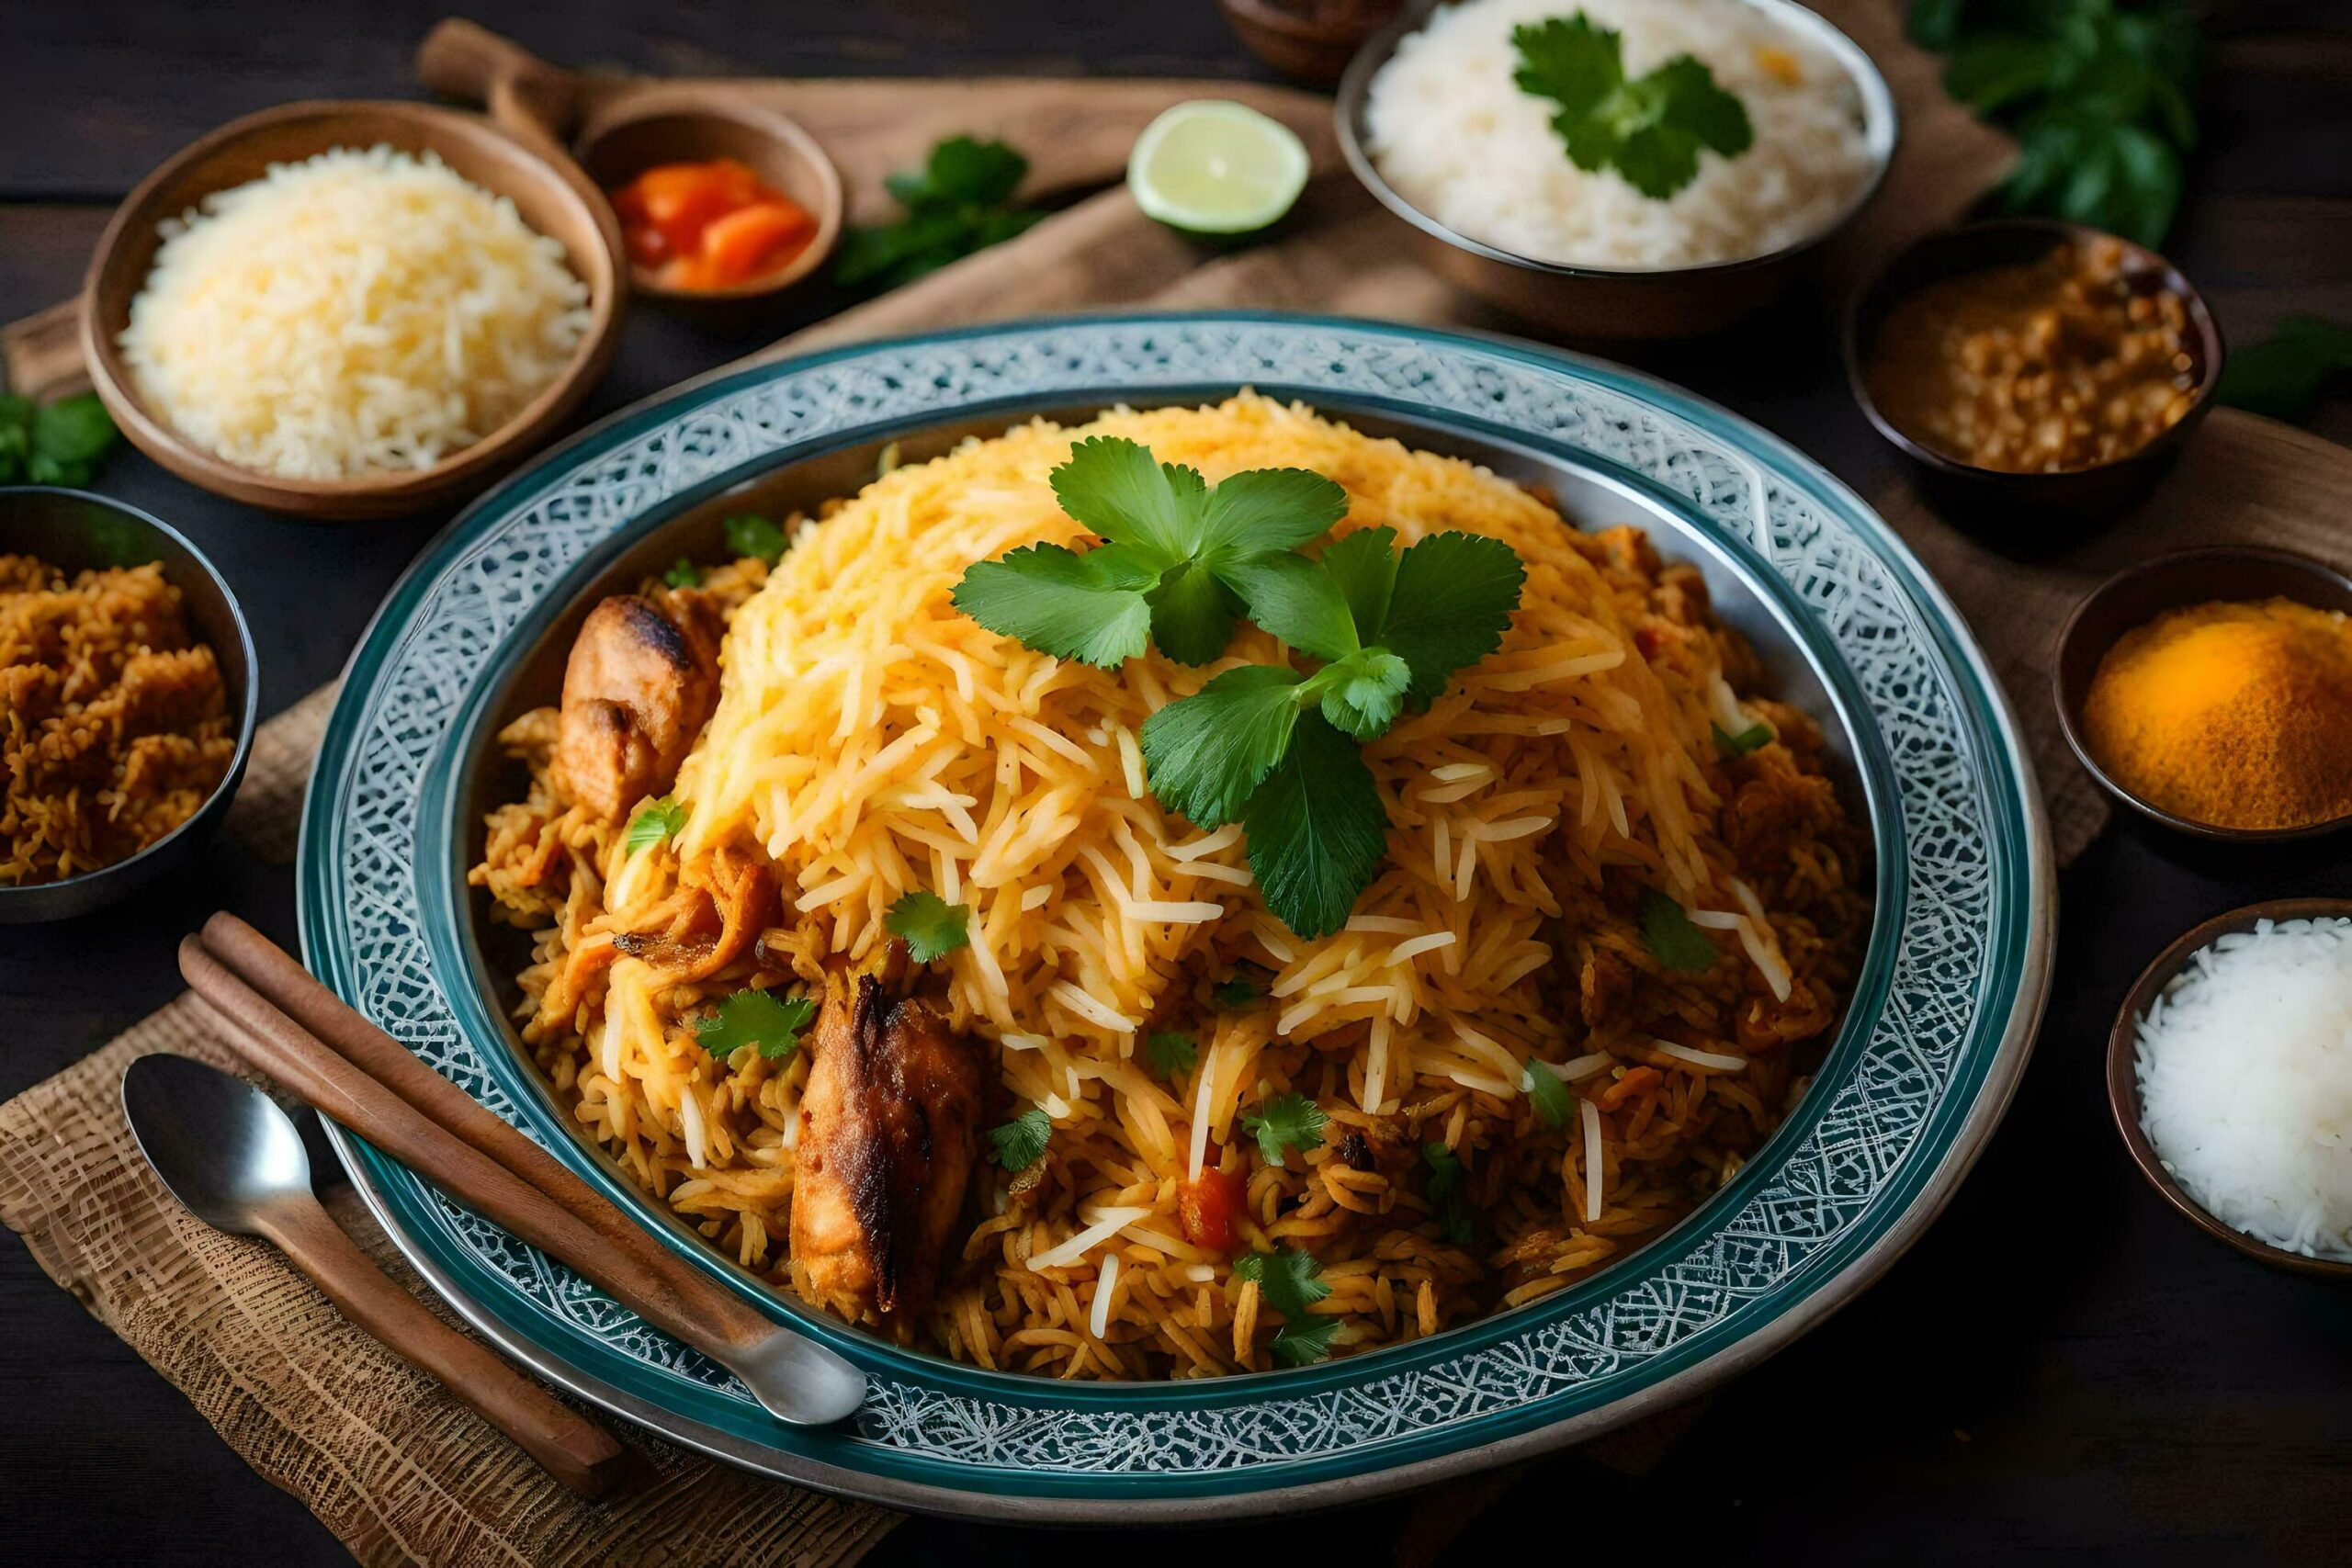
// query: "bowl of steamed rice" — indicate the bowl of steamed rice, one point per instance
point(1499, 131)
point(857, 939)
point(351, 309)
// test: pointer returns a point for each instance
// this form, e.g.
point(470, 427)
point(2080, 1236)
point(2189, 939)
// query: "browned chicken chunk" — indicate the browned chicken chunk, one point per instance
point(888, 1137)
point(641, 683)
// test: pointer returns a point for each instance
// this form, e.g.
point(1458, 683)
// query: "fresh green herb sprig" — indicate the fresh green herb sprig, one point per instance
point(1286, 1121)
point(1650, 129)
point(753, 535)
point(1291, 1281)
point(1670, 935)
point(932, 927)
point(958, 203)
point(2100, 94)
point(2284, 374)
point(1020, 1142)
point(753, 1017)
point(1746, 741)
point(1170, 1052)
point(1445, 1194)
point(62, 443)
point(656, 822)
point(1240, 991)
point(683, 573)
point(1551, 1096)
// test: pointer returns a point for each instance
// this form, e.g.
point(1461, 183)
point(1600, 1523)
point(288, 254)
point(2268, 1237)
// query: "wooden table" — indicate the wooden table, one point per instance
point(2060, 1368)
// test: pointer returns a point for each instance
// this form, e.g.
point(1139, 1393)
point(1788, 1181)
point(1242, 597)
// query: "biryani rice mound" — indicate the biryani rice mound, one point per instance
point(870, 740)
point(114, 724)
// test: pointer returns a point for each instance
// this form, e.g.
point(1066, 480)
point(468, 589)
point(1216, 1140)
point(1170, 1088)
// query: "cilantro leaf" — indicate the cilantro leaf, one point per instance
point(753, 536)
point(1303, 1344)
point(1363, 693)
point(963, 168)
point(1237, 992)
point(957, 203)
point(1746, 741)
point(1289, 1279)
point(1445, 1193)
point(1192, 614)
point(2283, 374)
point(1317, 830)
point(932, 927)
point(656, 823)
point(1300, 603)
point(683, 573)
point(1453, 601)
point(752, 1017)
point(1287, 1121)
point(1651, 128)
point(1268, 510)
point(1088, 607)
point(1172, 1053)
point(1542, 1085)
point(70, 437)
point(1672, 939)
point(1363, 566)
point(1115, 487)
point(1205, 754)
point(1020, 1142)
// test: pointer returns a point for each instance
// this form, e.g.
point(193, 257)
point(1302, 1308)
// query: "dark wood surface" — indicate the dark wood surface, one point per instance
point(2060, 1370)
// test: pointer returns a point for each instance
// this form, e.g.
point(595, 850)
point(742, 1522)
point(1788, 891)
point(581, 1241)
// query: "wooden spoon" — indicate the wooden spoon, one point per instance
point(613, 139)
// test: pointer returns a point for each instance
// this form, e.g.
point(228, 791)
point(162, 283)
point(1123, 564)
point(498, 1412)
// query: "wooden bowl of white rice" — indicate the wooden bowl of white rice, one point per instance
point(343, 310)
point(2230, 1076)
point(1433, 123)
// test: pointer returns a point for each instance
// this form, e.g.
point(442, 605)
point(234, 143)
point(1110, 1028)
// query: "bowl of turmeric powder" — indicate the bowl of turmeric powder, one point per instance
point(2210, 690)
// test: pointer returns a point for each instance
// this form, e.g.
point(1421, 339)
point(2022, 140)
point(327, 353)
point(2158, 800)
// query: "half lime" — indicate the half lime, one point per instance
point(1213, 166)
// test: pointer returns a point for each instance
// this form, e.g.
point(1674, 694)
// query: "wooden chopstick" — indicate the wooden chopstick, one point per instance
point(660, 1287)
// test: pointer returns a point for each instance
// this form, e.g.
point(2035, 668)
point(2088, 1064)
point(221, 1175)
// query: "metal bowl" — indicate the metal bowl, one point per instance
point(2123, 1078)
point(1600, 302)
point(1998, 496)
point(76, 532)
point(2135, 596)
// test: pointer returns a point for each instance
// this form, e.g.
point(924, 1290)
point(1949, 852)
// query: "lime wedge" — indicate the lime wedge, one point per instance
point(1213, 166)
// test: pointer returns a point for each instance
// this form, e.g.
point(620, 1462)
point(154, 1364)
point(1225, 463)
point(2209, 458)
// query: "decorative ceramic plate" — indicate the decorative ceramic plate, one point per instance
point(1923, 1065)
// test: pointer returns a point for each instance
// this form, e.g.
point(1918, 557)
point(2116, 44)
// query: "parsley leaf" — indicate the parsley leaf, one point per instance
point(1171, 1053)
point(1317, 830)
point(959, 202)
point(1746, 741)
point(932, 927)
point(1453, 600)
point(1445, 1193)
point(1363, 693)
point(1651, 128)
point(758, 1018)
point(1289, 1279)
point(1020, 1142)
point(657, 823)
point(1672, 939)
point(1089, 607)
point(683, 573)
point(2282, 376)
point(1542, 1085)
point(752, 536)
point(1303, 1344)
point(1205, 754)
point(1287, 1121)
point(1237, 992)
point(62, 443)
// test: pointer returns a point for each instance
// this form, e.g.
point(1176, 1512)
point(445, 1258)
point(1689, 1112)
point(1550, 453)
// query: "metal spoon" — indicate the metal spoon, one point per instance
point(228, 1152)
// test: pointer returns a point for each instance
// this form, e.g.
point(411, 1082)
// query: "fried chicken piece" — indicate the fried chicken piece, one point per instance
point(641, 683)
point(889, 1137)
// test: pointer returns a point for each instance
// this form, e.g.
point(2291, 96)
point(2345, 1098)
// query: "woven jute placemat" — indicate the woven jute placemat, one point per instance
point(402, 1473)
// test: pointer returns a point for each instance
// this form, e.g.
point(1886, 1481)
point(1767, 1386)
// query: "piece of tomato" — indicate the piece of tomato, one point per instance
point(679, 200)
point(1209, 1207)
point(754, 240)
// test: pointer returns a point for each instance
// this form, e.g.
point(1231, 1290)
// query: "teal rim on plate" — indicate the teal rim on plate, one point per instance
point(1925, 1063)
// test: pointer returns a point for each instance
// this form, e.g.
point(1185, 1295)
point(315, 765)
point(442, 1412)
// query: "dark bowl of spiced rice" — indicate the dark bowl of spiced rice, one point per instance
point(127, 696)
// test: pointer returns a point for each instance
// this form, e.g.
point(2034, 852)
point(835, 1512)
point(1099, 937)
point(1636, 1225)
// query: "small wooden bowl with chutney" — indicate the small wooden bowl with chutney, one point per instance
point(2097, 492)
point(2137, 595)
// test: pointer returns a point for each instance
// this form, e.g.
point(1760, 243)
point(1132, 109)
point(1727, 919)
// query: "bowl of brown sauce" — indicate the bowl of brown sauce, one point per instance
point(2046, 368)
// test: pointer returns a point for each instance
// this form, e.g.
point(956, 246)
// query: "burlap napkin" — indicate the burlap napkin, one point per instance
point(402, 1473)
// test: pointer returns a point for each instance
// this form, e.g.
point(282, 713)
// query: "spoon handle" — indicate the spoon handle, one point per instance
point(574, 1449)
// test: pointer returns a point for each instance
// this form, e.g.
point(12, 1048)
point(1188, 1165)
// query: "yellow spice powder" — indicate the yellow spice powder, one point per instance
point(2236, 714)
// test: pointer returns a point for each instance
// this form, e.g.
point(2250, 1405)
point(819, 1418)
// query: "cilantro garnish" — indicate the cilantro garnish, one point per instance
point(683, 573)
point(932, 927)
point(957, 203)
point(1672, 939)
point(753, 536)
point(2283, 374)
point(1287, 1121)
point(1650, 129)
point(1172, 1053)
point(656, 823)
point(1741, 744)
point(1169, 570)
point(1237, 992)
point(53, 443)
point(1445, 1192)
point(752, 1017)
point(1020, 1142)
point(1542, 1085)
point(1291, 1281)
